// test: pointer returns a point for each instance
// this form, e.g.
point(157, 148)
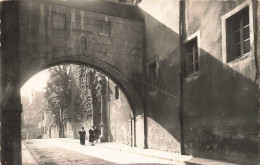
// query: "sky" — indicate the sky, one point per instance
point(37, 82)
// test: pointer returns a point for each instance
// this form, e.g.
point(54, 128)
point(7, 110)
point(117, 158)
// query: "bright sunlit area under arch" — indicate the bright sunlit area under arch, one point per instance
point(63, 101)
point(37, 83)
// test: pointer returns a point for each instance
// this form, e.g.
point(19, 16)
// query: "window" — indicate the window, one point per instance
point(116, 92)
point(104, 29)
point(83, 43)
point(238, 35)
point(191, 57)
point(59, 21)
point(152, 72)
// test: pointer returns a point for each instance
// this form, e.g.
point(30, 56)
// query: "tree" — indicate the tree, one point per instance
point(71, 91)
point(81, 96)
point(58, 94)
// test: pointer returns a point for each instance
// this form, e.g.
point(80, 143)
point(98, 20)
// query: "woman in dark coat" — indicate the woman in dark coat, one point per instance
point(82, 134)
point(91, 135)
point(96, 134)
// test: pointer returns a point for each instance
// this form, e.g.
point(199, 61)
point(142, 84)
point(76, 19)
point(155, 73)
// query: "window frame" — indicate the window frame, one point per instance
point(100, 33)
point(152, 61)
point(194, 36)
point(61, 14)
point(117, 95)
point(83, 45)
point(225, 43)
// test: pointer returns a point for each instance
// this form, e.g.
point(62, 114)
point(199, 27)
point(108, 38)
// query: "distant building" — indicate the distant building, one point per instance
point(31, 116)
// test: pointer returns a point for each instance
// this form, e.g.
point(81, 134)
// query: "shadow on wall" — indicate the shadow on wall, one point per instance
point(162, 95)
point(220, 104)
point(120, 128)
point(222, 121)
point(109, 133)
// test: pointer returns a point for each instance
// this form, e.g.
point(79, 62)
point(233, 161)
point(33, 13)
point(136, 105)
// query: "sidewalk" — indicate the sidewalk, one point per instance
point(185, 159)
point(27, 158)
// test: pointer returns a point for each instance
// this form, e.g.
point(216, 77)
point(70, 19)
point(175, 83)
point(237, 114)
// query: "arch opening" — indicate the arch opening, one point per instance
point(122, 80)
point(110, 103)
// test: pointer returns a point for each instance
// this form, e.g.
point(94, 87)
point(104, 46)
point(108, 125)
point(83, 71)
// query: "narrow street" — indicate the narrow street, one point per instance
point(55, 151)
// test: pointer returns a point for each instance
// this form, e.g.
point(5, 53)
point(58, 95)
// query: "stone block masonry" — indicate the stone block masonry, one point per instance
point(64, 27)
point(57, 33)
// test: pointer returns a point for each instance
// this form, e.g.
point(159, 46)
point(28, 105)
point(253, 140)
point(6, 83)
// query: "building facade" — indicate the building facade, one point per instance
point(189, 70)
point(31, 115)
point(100, 103)
point(201, 64)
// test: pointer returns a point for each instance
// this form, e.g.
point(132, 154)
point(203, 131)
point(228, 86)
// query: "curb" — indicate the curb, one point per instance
point(175, 158)
point(143, 154)
point(132, 150)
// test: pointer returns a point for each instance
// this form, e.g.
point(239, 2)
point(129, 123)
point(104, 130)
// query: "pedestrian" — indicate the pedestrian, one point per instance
point(91, 135)
point(82, 134)
point(96, 134)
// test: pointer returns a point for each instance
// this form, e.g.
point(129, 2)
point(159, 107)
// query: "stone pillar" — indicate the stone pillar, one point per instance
point(139, 128)
point(11, 132)
point(103, 119)
point(102, 94)
point(9, 85)
point(133, 134)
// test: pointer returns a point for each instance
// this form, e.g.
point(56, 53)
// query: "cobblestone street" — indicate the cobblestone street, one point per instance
point(55, 151)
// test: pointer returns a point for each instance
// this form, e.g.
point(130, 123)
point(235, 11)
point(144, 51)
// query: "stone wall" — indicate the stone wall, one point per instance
point(57, 33)
point(220, 101)
point(87, 85)
point(257, 36)
point(221, 121)
point(117, 119)
point(118, 116)
point(82, 90)
point(54, 132)
point(49, 31)
point(162, 98)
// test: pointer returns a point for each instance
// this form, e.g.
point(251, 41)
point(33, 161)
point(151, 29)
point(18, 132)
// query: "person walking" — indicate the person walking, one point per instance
point(82, 134)
point(96, 134)
point(91, 135)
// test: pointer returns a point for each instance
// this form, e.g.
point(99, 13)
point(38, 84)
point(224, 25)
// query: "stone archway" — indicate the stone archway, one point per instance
point(31, 40)
point(122, 81)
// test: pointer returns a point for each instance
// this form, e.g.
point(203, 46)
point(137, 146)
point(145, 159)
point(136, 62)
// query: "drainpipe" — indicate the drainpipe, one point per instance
point(181, 18)
point(134, 130)
point(255, 38)
point(108, 111)
point(257, 77)
point(144, 97)
point(131, 127)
